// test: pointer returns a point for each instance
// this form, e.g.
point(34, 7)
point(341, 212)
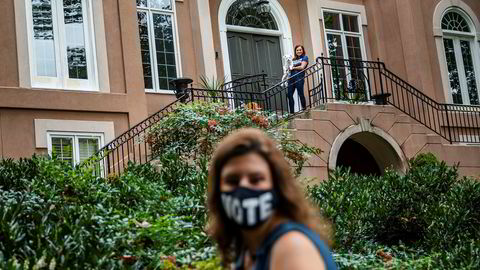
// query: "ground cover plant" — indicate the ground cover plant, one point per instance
point(153, 216)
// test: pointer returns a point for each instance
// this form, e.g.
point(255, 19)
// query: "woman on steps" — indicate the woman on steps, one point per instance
point(258, 215)
point(297, 78)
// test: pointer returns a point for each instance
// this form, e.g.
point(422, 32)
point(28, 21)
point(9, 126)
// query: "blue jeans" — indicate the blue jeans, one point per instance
point(295, 83)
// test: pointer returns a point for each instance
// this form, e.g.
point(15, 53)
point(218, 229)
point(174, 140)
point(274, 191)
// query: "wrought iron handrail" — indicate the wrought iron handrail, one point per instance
point(131, 145)
point(328, 79)
point(255, 82)
point(457, 123)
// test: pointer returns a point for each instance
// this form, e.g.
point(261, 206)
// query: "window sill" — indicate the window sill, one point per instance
point(58, 87)
point(65, 89)
point(163, 92)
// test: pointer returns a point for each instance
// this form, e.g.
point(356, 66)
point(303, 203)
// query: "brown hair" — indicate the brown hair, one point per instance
point(295, 51)
point(292, 202)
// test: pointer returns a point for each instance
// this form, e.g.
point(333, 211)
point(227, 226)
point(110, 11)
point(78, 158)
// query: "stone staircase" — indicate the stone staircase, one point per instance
point(391, 136)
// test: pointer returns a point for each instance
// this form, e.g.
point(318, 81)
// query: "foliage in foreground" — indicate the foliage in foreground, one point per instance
point(54, 216)
point(51, 214)
point(425, 219)
point(191, 133)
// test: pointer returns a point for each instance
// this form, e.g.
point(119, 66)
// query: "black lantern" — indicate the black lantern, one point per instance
point(181, 86)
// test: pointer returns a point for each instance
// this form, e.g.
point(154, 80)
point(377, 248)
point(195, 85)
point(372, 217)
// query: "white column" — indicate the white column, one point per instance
point(313, 24)
point(206, 35)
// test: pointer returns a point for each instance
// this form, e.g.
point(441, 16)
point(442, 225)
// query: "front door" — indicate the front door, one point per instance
point(252, 54)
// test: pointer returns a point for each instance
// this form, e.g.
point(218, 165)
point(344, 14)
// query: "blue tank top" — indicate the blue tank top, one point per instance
point(262, 256)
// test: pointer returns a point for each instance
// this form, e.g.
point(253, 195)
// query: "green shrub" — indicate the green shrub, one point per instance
point(150, 217)
point(429, 211)
point(68, 216)
point(189, 134)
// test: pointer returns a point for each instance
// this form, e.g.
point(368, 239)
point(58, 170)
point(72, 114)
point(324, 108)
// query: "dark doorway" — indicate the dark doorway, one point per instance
point(354, 155)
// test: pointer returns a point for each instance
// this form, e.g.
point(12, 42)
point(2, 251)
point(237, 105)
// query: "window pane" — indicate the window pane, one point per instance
point(172, 71)
point(169, 47)
point(161, 4)
point(339, 74)
point(163, 83)
point(141, 3)
point(332, 21)
point(142, 19)
point(162, 71)
point(350, 23)
point(165, 49)
point(75, 39)
point(87, 147)
point(43, 44)
point(353, 48)
point(62, 149)
point(335, 46)
point(355, 53)
point(469, 72)
point(170, 58)
point(452, 71)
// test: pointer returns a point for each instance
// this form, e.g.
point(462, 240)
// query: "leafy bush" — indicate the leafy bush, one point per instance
point(150, 217)
point(427, 211)
point(68, 218)
point(189, 135)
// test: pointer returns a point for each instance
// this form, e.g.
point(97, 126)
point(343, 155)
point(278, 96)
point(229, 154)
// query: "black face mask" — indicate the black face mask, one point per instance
point(249, 208)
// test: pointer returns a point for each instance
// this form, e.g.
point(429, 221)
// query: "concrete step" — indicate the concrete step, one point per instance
point(434, 139)
point(403, 118)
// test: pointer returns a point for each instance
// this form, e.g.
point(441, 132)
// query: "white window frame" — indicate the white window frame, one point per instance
point(343, 34)
point(62, 81)
point(75, 136)
point(458, 36)
point(151, 45)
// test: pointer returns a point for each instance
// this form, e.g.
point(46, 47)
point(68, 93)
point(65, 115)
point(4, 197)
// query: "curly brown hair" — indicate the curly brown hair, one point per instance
point(293, 204)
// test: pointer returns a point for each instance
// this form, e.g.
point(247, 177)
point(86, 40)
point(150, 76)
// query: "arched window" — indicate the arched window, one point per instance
point(455, 22)
point(248, 14)
point(463, 68)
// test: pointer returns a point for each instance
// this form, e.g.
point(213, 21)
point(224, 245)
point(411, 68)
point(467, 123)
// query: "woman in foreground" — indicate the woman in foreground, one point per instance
point(259, 217)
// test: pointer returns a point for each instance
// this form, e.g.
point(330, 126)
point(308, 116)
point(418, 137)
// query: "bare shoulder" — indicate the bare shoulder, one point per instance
point(295, 250)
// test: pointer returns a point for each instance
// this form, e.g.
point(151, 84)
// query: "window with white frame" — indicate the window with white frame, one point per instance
point(343, 35)
point(462, 65)
point(61, 44)
point(73, 148)
point(344, 40)
point(156, 25)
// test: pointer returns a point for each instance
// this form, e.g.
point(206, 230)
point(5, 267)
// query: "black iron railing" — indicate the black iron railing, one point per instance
point(327, 80)
point(133, 145)
point(455, 123)
point(366, 81)
point(251, 83)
